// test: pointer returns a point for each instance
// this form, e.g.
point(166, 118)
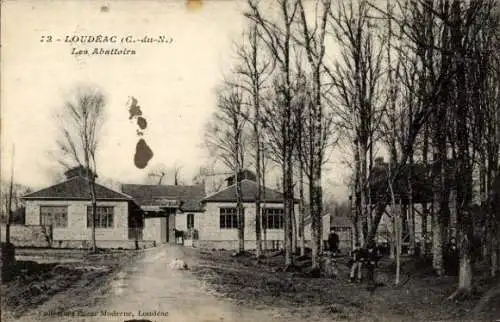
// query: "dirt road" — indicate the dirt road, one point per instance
point(149, 289)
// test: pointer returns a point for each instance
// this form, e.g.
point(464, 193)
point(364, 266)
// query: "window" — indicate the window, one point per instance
point(190, 221)
point(229, 218)
point(104, 217)
point(273, 218)
point(55, 216)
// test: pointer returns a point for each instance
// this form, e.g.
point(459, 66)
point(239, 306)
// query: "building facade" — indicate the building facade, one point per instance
point(218, 226)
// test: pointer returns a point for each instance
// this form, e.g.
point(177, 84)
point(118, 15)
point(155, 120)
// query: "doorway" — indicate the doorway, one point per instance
point(164, 230)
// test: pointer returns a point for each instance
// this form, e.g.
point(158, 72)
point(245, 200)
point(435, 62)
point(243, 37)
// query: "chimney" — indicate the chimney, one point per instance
point(79, 171)
point(244, 174)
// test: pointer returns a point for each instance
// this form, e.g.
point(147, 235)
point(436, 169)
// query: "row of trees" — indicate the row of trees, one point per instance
point(417, 81)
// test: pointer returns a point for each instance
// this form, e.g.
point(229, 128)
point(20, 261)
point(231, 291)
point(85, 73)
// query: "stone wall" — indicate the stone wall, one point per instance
point(25, 236)
point(123, 244)
point(34, 236)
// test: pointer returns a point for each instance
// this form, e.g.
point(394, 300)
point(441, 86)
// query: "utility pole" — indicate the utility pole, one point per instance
point(9, 203)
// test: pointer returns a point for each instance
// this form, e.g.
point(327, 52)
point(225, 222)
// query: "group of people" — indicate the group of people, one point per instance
point(364, 258)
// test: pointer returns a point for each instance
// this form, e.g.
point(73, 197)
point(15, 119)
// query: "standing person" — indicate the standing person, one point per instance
point(451, 257)
point(357, 259)
point(333, 241)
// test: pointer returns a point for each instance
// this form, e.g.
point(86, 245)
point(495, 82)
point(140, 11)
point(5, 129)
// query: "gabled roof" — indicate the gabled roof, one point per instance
point(188, 198)
point(76, 188)
point(248, 191)
point(421, 176)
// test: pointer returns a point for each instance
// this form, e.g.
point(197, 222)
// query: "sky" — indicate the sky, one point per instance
point(174, 83)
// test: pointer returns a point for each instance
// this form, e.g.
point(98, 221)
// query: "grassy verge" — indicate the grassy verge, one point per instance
point(67, 284)
point(420, 296)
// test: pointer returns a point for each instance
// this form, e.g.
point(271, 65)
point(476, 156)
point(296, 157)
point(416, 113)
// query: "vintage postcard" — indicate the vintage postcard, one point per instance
point(250, 160)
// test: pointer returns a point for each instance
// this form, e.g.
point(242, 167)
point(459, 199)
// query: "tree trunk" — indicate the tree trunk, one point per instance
point(316, 195)
point(423, 239)
point(440, 203)
point(494, 255)
point(258, 212)
point(425, 206)
point(404, 222)
point(356, 201)
point(294, 229)
point(316, 223)
point(483, 192)
point(240, 215)
point(411, 226)
point(396, 229)
point(94, 214)
point(9, 201)
point(363, 190)
point(288, 205)
point(263, 215)
point(301, 212)
point(392, 246)
point(465, 267)
point(437, 245)
point(257, 132)
point(398, 243)
point(258, 224)
point(7, 228)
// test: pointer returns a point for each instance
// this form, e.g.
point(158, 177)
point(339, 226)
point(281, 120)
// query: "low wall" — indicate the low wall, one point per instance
point(34, 236)
point(25, 236)
point(123, 244)
point(233, 244)
point(251, 244)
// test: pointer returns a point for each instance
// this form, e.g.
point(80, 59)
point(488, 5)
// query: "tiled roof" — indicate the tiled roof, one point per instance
point(248, 191)
point(76, 188)
point(188, 197)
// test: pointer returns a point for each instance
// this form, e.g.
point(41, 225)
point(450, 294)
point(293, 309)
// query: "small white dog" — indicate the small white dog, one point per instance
point(178, 264)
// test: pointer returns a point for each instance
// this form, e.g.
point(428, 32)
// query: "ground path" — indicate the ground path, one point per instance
point(149, 287)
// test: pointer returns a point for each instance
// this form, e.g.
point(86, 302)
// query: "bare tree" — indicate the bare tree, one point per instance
point(313, 41)
point(161, 171)
point(208, 176)
point(80, 122)
point(356, 78)
point(9, 197)
point(252, 73)
point(225, 140)
point(279, 123)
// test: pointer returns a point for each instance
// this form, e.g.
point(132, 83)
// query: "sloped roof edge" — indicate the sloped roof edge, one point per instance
point(32, 195)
